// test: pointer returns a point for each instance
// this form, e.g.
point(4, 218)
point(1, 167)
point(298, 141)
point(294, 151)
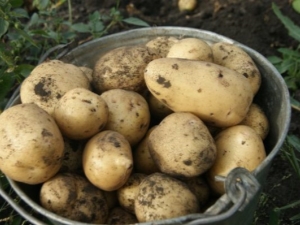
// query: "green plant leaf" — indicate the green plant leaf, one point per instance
point(19, 13)
point(6, 82)
point(41, 4)
point(274, 59)
point(294, 30)
point(81, 27)
point(16, 3)
point(294, 141)
point(289, 52)
point(296, 5)
point(3, 27)
point(136, 21)
point(26, 36)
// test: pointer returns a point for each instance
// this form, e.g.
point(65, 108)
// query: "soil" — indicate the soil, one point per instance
point(250, 22)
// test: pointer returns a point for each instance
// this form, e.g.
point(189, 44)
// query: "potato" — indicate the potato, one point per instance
point(107, 160)
point(49, 81)
point(31, 145)
point(81, 114)
point(74, 197)
point(181, 145)
point(120, 216)
point(257, 119)
point(191, 48)
point(160, 46)
point(128, 192)
point(157, 108)
point(237, 146)
point(128, 114)
point(187, 5)
point(235, 58)
point(121, 68)
point(200, 88)
point(161, 197)
point(143, 161)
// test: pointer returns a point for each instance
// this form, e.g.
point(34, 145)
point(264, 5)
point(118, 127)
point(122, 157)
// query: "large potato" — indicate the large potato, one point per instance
point(80, 114)
point(107, 160)
point(128, 114)
point(161, 196)
point(121, 68)
point(31, 145)
point(74, 197)
point(49, 81)
point(218, 95)
point(181, 145)
point(235, 58)
point(237, 146)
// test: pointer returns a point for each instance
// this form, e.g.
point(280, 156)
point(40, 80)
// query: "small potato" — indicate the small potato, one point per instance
point(160, 46)
point(187, 5)
point(128, 114)
point(191, 48)
point(49, 81)
point(181, 145)
point(107, 160)
point(120, 216)
point(162, 197)
point(257, 119)
point(237, 146)
point(200, 88)
point(143, 161)
point(235, 58)
point(81, 114)
point(31, 144)
point(74, 197)
point(128, 192)
point(122, 68)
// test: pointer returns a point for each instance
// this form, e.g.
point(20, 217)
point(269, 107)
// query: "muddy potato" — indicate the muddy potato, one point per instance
point(237, 146)
point(128, 192)
point(181, 145)
point(107, 160)
point(161, 197)
point(235, 58)
point(31, 144)
point(119, 216)
point(74, 197)
point(200, 88)
point(121, 68)
point(143, 161)
point(128, 114)
point(49, 81)
point(160, 46)
point(81, 113)
point(257, 119)
point(191, 48)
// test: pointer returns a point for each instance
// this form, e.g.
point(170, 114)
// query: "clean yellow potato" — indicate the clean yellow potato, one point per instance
point(121, 68)
point(257, 119)
point(143, 161)
point(119, 216)
point(191, 48)
point(187, 5)
point(181, 145)
point(74, 197)
point(107, 160)
point(128, 114)
point(128, 192)
point(218, 95)
point(237, 146)
point(81, 113)
point(49, 81)
point(31, 144)
point(235, 58)
point(159, 46)
point(161, 197)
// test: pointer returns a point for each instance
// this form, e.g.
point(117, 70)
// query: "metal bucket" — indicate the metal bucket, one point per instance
point(239, 203)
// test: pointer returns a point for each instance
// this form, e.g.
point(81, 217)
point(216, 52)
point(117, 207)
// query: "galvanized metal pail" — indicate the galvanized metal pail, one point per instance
point(239, 203)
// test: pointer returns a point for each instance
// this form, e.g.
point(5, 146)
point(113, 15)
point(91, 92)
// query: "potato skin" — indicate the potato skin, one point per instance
point(107, 160)
point(235, 58)
point(200, 88)
point(119, 216)
point(31, 145)
point(74, 197)
point(237, 146)
point(161, 197)
point(181, 145)
point(160, 46)
point(49, 81)
point(121, 68)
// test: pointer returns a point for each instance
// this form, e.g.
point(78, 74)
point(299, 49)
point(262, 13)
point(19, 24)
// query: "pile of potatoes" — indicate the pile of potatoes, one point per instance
point(139, 137)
